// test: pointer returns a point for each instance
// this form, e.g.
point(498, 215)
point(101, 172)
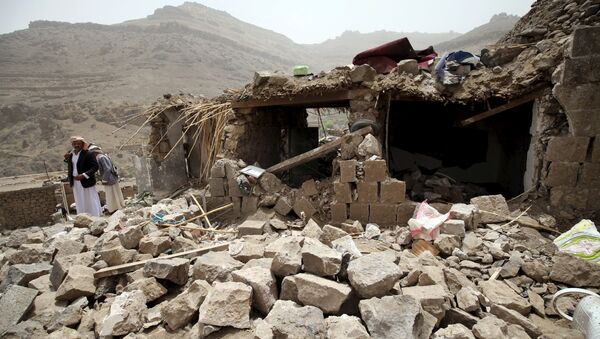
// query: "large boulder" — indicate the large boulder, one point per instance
point(392, 317)
point(290, 320)
point(325, 294)
point(373, 275)
point(227, 304)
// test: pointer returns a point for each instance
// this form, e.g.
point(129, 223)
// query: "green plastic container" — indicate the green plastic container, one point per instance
point(300, 70)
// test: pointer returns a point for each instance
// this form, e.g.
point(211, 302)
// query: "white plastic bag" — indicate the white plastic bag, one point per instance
point(426, 222)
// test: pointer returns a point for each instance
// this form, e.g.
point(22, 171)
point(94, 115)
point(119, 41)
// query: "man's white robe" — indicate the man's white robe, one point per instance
point(86, 199)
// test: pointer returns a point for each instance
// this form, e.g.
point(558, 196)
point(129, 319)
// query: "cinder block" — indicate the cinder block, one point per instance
point(339, 212)
point(343, 191)
point(249, 205)
point(392, 191)
point(567, 149)
point(562, 174)
point(590, 175)
point(309, 188)
point(217, 187)
point(348, 170)
point(283, 206)
point(375, 170)
point(367, 191)
point(384, 214)
point(233, 188)
point(302, 205)
point(359, 211)
point(405, 211)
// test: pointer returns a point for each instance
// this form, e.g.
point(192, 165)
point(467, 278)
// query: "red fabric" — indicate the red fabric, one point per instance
point(385, 57)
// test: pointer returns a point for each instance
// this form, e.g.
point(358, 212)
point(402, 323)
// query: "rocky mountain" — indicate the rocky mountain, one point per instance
point(58, 79)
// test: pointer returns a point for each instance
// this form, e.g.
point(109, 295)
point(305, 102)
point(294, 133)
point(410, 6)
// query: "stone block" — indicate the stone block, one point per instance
point(564, 196)
point(596, 150)
point(453, 227)
point(217, 187)
point(323, 293)
point(392, 191)
point(567, 148)
point(249, 205)
point(175, 269)
point(303, 205)
point(283, 206)
point(491, 208)
point(233, 189)
point(218, 170)
point(343, 191)
point(383, 213)
point(405, 211)
point(590, 175)
point(348, 170)
point(236, 210)
point(339, 212)
point(581, 70)
point(251, 227)
point(375, 170)
point(78, 282)
point(14, 304)
point(586, 41)
point(359, 211)
point(367, 191)
point(309, 188)
point(562, 174)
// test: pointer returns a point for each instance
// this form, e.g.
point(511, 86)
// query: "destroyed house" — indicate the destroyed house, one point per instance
point(524, 122)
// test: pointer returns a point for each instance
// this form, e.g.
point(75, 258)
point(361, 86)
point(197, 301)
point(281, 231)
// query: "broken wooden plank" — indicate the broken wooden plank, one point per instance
point(307, 100)
point(317, 152)
point(511, 104)
point(130, 267)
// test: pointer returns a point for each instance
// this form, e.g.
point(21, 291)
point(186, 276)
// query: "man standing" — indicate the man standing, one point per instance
point(110, 180)
point(82, 177)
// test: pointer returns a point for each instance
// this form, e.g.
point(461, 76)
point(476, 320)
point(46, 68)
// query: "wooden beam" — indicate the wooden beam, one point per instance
point(317, 152)
point(309, 100)
point(511, 104)
point(130, 267)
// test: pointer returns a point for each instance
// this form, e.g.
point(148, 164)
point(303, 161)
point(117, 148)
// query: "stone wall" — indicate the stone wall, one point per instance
point(27, 207)
point(573, 158)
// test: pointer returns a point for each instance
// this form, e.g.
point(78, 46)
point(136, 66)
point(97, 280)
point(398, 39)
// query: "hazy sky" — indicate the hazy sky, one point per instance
point(308, 21)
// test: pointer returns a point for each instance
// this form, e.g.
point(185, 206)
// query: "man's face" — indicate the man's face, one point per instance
point(77, 145)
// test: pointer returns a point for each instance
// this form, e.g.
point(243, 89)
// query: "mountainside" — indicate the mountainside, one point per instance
point(58, 79)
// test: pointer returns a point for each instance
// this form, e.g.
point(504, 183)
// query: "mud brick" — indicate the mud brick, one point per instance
point(217, 187)
point(392, 191)
point(339, 212)
point(348, 170)
point(343, 191)
point(218, 170)
point(375, 170)
point(303, 205)
point(237, 206)
point(234, 189)
point(283, 206)
point(249, 205)
point(309, 188)
point(383, 213)
point(367, 191)
point(405, 211)
point(359, 211)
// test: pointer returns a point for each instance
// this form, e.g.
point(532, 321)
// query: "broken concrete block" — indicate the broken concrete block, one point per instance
point(392, 191)
point(339, 212)
point(319, 259)
point(375, 170)
point(392, 316)
point(500, 293)
point(348, 170)
point(369, 147)
point(373, 276)
point(384, 214)
point(309, 188)
point(180, 310)
point(312, 230)
point(302, 206)
point(331, 233)
point(126, 314)
point(154, 245)
point(513, 317)
point(215, 266)
point(78, 282)
point(264, 286)
point(227, 304)
point(245, 251)
point(359, 211)
point(466, 213)
point(345, 327)
point(290, 320)
point(454, 331)
point(408, 66)
point(491, 208)
point(362, 73)
point(217, 187)
point(151, 288)
point(251, 227)
point(368, 192)
point(174, 270)
point(573, 271)
point(343, 192)
point(327, 295)
point(288, 260)
point(283, 206)
point(14, 304)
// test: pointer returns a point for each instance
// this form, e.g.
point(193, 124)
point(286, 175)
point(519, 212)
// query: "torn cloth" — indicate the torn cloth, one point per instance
point(385, 57)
